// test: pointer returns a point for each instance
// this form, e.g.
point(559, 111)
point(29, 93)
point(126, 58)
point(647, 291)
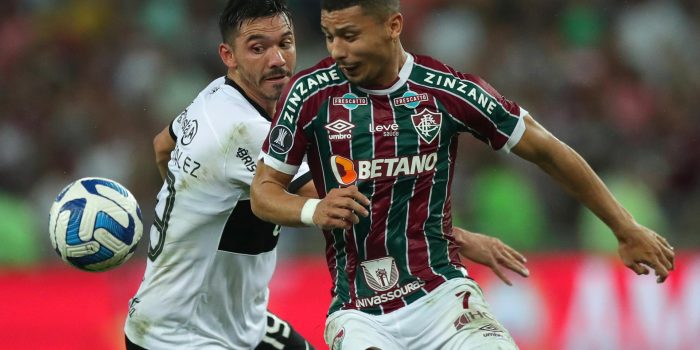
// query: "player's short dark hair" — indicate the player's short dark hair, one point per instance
point(381, 9)
point(237, 12)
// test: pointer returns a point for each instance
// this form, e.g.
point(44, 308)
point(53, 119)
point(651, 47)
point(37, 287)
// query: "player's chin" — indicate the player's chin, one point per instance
point(274, 92)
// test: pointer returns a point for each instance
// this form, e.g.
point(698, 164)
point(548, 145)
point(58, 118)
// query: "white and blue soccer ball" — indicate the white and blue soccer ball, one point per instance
point(95, 224)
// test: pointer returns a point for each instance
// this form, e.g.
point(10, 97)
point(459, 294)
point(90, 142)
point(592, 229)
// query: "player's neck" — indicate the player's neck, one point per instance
point(397, 63)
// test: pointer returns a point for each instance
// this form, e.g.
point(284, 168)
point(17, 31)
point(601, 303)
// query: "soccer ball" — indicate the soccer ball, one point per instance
point(95, 224)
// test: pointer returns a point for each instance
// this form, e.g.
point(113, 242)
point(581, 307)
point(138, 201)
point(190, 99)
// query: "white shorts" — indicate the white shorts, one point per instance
point(453, 316)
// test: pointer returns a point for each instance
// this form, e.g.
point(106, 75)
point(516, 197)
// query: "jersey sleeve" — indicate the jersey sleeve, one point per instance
point(244, 150)
point(286, 144)
point(482, 111)
point(302, 177)
point(175, 127)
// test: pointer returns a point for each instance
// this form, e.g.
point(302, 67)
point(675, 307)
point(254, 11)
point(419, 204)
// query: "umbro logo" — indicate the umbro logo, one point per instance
point(339, 130)
point(339, 126)
point(490, 328)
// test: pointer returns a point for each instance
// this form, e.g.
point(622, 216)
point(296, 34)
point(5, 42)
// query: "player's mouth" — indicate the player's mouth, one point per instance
point(350, 69)
point(277, 76)
point(277, 79)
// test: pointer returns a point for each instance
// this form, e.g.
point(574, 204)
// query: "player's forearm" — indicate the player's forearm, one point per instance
point(163, 145)
point(162, 164)
point(574, 174)
point(570, 170)
point(271, 202)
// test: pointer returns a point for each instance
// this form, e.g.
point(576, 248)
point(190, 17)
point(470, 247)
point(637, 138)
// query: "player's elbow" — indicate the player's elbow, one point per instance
point(162, 146)
point(257, 199)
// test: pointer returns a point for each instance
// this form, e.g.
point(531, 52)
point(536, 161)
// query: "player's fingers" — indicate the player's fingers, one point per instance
point(659, 269)
point(514, 253)
point(330, 223)
point(513, 264)
point(355, 219)
point(352, 205)
point(663, 241)
point(664, 259)
point(343, 214)
point(670, 255)
point(357, 195)
point(638, 268)
point(500, 274)
point(666, 248)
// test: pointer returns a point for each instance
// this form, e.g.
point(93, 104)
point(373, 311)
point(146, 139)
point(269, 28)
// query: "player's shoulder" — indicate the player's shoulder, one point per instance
point(435, 66)
point(224, 102)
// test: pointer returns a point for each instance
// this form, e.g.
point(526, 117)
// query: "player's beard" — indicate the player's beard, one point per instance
point(279, 71)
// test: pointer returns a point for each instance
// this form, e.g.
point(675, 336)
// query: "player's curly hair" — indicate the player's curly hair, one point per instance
point(380, 9)
point(237, 12)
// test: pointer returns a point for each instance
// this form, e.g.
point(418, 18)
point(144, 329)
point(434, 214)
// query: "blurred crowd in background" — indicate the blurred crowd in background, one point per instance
point(85, 85)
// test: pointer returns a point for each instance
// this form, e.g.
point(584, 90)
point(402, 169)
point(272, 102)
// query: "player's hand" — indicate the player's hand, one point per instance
point(491, 252)
point(340, 208)
point(641, 248)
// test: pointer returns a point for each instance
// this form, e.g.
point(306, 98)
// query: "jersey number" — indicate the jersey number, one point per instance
point(161, 223)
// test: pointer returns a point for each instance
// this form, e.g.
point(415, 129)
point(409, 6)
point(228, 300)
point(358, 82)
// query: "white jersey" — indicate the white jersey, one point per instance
point(210, 259)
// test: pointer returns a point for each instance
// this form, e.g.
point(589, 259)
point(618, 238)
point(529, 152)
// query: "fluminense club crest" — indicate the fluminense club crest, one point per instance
point(427, 124)
point(380, 274)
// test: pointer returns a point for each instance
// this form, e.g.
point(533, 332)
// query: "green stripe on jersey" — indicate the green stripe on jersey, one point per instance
point(397, 226)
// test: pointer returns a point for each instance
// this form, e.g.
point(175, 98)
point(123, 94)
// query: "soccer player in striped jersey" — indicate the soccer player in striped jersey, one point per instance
point(210, 259)
point(379, 127)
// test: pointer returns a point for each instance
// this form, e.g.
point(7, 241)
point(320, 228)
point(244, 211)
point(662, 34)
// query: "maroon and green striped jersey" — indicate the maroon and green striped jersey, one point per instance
point(398, 145)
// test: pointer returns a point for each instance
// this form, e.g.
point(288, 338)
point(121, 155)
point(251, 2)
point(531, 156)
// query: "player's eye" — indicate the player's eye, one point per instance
point(258, 49)
point(286, 44)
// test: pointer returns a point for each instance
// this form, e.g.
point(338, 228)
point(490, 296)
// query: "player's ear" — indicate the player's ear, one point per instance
point(395, 26)
point(227, 56)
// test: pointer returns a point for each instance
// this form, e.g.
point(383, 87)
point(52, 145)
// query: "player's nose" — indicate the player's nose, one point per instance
point(277, 58)
point(337, 50)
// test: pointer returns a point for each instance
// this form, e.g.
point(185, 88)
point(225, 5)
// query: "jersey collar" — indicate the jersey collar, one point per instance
point(404, 73)
point(252, 102)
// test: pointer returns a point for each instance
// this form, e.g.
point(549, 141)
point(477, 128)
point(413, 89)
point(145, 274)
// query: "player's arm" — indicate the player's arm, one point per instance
point(638, 245)
point(271, 202)
point(490, 252)
point(163, 145)
point(307, 190)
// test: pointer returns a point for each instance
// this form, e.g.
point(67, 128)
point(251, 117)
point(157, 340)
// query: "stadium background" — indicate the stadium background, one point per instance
point(85, 85)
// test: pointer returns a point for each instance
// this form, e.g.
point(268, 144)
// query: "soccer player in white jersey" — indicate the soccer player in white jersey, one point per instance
point(376, 122)
point(210, 259)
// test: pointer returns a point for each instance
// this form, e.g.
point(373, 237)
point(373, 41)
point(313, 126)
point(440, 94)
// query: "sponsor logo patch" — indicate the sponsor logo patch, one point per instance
point(490, 328)
point(350, 101)
point(281, 139)
point(244, 155)
point(343, 170)
point(383, 297)
point(189, 128)
point(380, 274)
point(348, 171)
point(339, 130)
point(410, 99)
